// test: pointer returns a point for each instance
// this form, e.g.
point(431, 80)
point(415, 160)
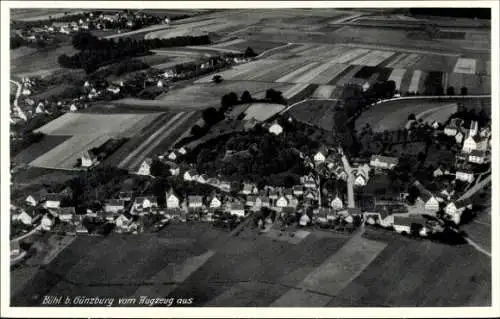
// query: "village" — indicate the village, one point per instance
point(227, 203)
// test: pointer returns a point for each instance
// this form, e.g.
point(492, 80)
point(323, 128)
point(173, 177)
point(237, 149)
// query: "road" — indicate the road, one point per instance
point(350, 181)
point(476, 188)
point(19, 111)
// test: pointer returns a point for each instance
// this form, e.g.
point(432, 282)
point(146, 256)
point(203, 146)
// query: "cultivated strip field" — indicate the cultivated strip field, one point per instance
point(397, 76)
point(467, 66)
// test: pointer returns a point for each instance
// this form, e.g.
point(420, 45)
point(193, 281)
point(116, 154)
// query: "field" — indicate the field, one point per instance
point(420, 273)
point(315, 112)
point(80, 132)
point(47, 143)
point(324, 269)
point(32, 14)
point(39, 62)
point(262, 111)
point(393, 115)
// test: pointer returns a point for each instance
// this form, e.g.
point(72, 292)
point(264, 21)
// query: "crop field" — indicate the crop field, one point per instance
point(258, 46)
point(125, 125)
point(315, 112)
point(393, 115)
point(420, 273)
point(32, 14)
point(262, 111)
point(372, 35)
point(39, 62)
point(47, 143)
point(66, 154)
point(323, 92)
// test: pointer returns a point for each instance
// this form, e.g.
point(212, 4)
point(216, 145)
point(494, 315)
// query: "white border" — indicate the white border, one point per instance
point(7, 311)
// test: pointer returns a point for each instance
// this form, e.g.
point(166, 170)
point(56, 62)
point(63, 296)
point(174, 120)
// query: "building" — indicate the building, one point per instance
point(47, 222)
point(114, 205)
point(195, 202)
point(452, 128)
point(145, 168)
point(308, 181)
point(477, 157)
point(304, 220)
point(380, 215)
point(123, 221)
point(237, 209)
point(298, 190)
point(66, 214)
point(473, 129)
point(454, 213)
point(144, 204)
point(473, 143)
point(465, 175)
point(190, 175)
point(32, 200)
point(88, 159)
point(282, 201)
point(202, 179)
point(459, 137)
point(173, 201)
point(23, 216)
point(405, 224)
point(276, 129)
point(53, 200)
point(172, 156)
point(336, 203)
point(126, 195)
point(320, 155)
point(249, 188)
point(383, 162)
point(360, 180)
point(215, 202)
point(437, 172)
point(430, 201)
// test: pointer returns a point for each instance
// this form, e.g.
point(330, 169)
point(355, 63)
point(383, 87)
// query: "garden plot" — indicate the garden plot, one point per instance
point(373, 58)
point(323, 92)
point(66, 154)
point(465, 65)
point(89, 123)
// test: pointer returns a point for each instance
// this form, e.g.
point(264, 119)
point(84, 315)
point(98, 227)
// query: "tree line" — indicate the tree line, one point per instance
point(96, 52)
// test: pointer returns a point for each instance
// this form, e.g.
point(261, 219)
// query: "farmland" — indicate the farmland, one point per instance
point(39, 62)
point(315, 112)
point(251, 270)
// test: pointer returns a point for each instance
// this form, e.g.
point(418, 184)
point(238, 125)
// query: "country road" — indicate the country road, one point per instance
point(18, 92)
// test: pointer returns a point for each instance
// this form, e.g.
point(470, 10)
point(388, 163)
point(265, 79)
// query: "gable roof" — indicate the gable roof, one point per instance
point(425, 194)
point(237, 206)
point(195, 199)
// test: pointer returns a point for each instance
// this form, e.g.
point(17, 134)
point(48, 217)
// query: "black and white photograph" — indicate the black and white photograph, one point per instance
point(270, 155)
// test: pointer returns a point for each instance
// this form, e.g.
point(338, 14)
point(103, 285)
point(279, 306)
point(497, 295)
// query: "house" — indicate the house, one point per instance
point(298, 190)
point(23, 216)
point(144, 204)
point(202, 179)
point(172, 200)
point(195, 202)
point(225, 186)
point(340, 173)
point(431, 202)
point(308, 181)
point(174, 171)
point(452, 128)
point(47, 222)
point(32, 200)
point(66, 214)
point(182, 151)
point(237, 209)
point(215, 202)
point(336, 203)
point(459, 137)
point(15, 248)
point(477, 157)
point(250, 200)
point(360, 180)
point(213, 182)
point(383, 162)
point(190, 175)
point(281, 202)
point(320, 155)
point(404, 224)
point(123, 220)
point(114, 205)
point(276, 129)
point(88, 159)
point(249, 188)
point(172, 156)
point(73, 108)
point(304, 220)
point(485, 132)
point(310, 195)
point(53, 200)
point(292, 201)
point(437, 172)
point(159, 83)
point(472, 143)
point(145, 168)
point(452, 211)
point(263, 201)
point(465, 175)
point(435, 125)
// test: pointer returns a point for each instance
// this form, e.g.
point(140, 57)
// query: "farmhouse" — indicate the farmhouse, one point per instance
point(380, 216)
point(431, 202)
point(308, 181)
point(310, 195)
point(172, 156)
point(249, 188)
point(172, 200)
point(473, 143)
point(320, 155)
point(124, 220)
point(304, 220)
point(263, 201)
point(47, 222)
point(114, 205)
point(66, 214)
point(33, 200)
point(275, 129)
point(437, 172)
point(384, 162)
point(144, 204)
point(465, 175)
point(145, 168)
point(23, 216)
point(360, 180)
point(282, 202)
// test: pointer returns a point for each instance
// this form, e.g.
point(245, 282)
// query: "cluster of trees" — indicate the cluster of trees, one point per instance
point(22, 143)
point(96, 52)
point(122, 67)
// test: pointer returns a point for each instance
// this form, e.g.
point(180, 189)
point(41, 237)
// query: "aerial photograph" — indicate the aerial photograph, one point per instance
point(286, 157)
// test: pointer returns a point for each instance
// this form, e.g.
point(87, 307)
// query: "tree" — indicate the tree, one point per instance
point(450, 90)
point(246, 97)
point(196, 131)
point(412, 117)
point(463, 90)
point(250, 53)
point(159, 169)
point(217, 78)
point(211, 116)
